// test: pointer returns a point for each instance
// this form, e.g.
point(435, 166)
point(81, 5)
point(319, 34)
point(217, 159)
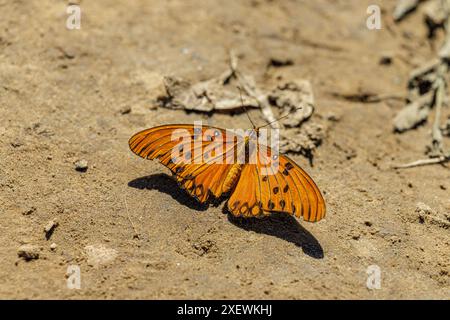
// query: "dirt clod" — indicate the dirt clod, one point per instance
point(99, 254)
point(28, 252)
point(50, 228)
point(29, 211)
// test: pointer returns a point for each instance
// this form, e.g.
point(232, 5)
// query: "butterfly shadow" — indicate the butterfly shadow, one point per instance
point(284, 227)
point(168, 185)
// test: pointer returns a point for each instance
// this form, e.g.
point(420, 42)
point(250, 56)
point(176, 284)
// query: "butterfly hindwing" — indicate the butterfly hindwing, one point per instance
point(287, 189)
point(244, 201)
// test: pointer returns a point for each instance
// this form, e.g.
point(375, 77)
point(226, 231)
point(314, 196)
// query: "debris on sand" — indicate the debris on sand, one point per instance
point(81, 165)
point(446, 128)
point(428, 91)
point(280, 61)
point(29, 211)
point(53, 246)
point(294, 98)
point(386, 59)
point(365, 96)
point(430, 216)
point(368, 223)
point(415, 113)
point(403, 8)
point(125, 110)
point(216, 94)
point(50, 228)
point(205, 247)
point(423, 210)
point(28, 252)
point(302, 141)
point(434, 16)
point(355, 235)
point(206, 96)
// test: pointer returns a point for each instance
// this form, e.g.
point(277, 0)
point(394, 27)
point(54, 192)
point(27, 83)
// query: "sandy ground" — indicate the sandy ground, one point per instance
point(61, 96)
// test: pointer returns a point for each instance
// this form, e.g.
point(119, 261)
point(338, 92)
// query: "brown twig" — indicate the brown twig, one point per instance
point(437, 145)
point(366, 97)
point(423, 162)
point(252, 91)
point(136, 234)
point(437, 154)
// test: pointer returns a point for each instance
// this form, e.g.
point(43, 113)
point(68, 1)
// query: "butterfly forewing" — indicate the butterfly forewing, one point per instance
point(200, 157)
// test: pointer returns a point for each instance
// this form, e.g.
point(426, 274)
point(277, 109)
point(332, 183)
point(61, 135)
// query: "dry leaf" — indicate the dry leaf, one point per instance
point(403, 7)
point(413, 114)
point(294, 98)
point(303, 141)
point(204, 96)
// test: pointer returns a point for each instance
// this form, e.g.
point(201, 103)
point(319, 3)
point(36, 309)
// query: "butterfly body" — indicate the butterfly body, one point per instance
point(210, 162)
point(235, 171)
point(232, 177)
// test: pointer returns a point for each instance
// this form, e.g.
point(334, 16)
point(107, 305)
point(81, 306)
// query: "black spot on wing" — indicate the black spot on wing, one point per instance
point(289, 166)
point(179, 170)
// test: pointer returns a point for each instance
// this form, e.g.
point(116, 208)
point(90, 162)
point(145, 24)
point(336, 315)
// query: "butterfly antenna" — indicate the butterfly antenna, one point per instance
point(245, 109)
point(282, 117)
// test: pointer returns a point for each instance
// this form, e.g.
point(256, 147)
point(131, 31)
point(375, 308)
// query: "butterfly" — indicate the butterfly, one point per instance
point(205, 162)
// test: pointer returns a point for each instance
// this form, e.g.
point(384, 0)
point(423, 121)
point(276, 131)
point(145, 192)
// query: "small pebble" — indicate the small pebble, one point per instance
point(355, 235)
point(29, 211)
point(332, 117)
point(280, 61)
point(81, 165)
point(49, 228)
point(16, 144)
point(395, 239)
point(423, 211)
point(386, 59)
point(53, 246)
point(125, 110)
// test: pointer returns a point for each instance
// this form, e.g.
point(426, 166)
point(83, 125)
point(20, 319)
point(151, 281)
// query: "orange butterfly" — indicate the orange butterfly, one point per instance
point(205, 162)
